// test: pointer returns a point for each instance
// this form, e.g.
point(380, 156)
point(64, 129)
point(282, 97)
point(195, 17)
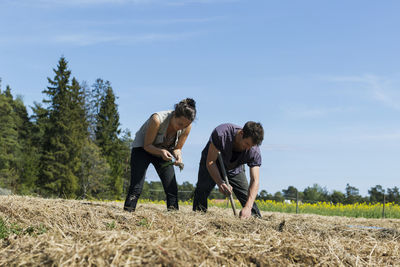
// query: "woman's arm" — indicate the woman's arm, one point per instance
point(177, 152)
point(150, 136)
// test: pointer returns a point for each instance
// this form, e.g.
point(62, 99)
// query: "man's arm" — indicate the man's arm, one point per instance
point(252, 194)
point(211, 164)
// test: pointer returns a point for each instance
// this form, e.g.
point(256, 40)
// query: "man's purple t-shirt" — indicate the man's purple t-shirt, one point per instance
point(223, 138)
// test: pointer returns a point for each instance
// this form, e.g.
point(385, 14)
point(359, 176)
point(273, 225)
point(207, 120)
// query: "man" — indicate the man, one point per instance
point(238, 146)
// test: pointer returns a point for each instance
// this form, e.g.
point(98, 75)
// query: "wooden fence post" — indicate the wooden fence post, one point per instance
point(297, 202)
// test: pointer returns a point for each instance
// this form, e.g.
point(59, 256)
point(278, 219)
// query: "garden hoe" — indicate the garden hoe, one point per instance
point(221, 162)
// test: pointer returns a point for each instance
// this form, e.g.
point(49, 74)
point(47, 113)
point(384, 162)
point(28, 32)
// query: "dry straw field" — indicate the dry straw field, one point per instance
point(56, 232)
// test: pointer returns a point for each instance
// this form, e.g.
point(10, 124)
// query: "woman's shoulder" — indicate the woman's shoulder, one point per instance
point(160, 116)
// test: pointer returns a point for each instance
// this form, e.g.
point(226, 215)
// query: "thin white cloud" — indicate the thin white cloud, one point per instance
point(382, 89)
point(88, 3)
point(166, 21)
point(382, 136)
point(92, 39)
point(389, 98)
point(87, 39)
point(351, 79)
point(179, 20)
point(279, 147)
point(84, 39)
point(83, 3)
point(309, 113)
point(187, 2)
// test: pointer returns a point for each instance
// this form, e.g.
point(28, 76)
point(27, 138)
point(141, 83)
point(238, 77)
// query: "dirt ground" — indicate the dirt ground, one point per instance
point(57, 232)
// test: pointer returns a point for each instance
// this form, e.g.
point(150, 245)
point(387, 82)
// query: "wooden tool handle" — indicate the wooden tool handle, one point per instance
point(221, 163)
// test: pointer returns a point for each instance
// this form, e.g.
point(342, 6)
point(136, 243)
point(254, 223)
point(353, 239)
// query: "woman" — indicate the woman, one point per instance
point(158, 141)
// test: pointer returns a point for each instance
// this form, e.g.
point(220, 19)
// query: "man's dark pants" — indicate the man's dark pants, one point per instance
point(140, 160)
point(205, 184)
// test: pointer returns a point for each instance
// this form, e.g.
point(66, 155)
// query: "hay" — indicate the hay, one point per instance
point(81, 233)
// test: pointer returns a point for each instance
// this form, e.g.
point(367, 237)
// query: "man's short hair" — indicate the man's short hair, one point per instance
point(255, 131)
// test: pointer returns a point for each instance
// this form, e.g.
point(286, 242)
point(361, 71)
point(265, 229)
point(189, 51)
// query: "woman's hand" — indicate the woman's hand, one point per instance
point(166, 155)
point(177, 153)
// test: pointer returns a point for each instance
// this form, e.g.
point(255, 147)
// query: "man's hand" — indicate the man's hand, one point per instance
point(166, 155)
point(225, 189)
point(245, 213)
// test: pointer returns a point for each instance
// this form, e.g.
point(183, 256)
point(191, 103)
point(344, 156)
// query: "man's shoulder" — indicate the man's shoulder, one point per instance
point(225, 127)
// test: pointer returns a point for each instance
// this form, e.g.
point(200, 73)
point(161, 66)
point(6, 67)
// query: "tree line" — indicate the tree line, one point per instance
point(72, 146)
point(311, 194)
point(316, 193)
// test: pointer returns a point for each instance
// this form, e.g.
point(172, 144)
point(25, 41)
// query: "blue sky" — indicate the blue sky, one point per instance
point(322, 77)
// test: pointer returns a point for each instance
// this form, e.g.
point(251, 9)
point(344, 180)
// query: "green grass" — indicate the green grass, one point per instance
point(7, 229)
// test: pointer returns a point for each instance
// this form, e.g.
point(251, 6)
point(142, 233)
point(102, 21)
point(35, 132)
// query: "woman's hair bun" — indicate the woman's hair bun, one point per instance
point(190, 102)
point(186, 108)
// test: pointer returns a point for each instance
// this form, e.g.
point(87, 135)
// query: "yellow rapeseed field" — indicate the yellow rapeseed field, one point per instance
point(357, 210)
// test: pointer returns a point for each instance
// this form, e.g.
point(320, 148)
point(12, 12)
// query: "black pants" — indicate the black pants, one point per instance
point(205, 184)
point(140, 160)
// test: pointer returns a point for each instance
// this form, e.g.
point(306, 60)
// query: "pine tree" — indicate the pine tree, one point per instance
point(126, 148)
point(95, 95)
point(107, 131)
point(78, 129)
point(40, 122)
point(22, 164)
point(95, 173)
point(28, 163)
point(57, 169)
point(9, 146)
